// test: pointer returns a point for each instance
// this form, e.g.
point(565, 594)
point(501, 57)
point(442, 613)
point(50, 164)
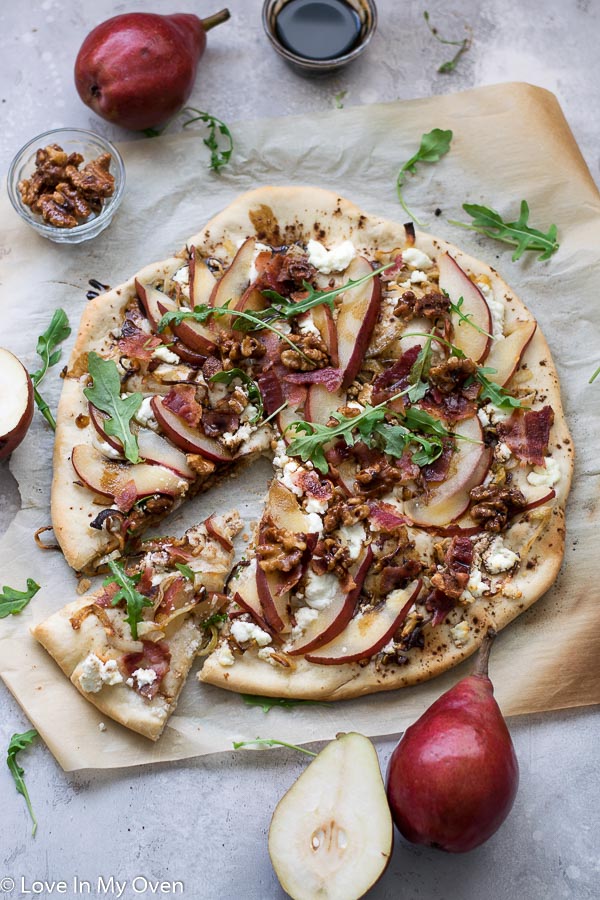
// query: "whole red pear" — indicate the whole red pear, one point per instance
point(453, 777)
point(138, 69)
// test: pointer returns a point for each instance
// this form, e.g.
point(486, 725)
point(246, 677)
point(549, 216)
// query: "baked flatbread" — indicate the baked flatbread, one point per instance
point(137, 682)
point(389, 550)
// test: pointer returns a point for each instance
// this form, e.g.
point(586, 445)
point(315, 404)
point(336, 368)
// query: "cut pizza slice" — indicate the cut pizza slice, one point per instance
point(128, 647)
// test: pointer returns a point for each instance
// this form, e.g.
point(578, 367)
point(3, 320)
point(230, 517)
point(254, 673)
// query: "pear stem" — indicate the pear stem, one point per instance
point(216, 19)
point(483, 657)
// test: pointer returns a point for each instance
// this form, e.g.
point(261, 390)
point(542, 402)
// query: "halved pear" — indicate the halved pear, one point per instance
point(331, 834)
point(16, 402)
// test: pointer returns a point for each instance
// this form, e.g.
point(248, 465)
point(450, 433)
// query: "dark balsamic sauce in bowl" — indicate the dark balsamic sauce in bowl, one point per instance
point(318, 29)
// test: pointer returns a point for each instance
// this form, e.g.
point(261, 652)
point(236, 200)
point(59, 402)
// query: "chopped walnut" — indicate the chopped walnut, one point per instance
point(311, 353)
point(495, 505)
point(378, 478)
point(330, 556)
point(233, 350)
point(201, 467)
point(344, 511)
point(452, 374)
point(63, 194)
point(432, 305)
point(279, 550)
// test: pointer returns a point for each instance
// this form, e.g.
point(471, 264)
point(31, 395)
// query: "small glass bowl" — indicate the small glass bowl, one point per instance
point(72, 140)
point(367, 13)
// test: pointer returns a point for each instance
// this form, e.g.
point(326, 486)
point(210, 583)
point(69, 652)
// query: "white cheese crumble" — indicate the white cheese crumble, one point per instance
point(500, 558)
point(548, 474)
point(165, 355)
point(416, 259)
point(233, 439)
point(315, 505)
point(95, 674)
point(496, 308)
point(418, 277)
point(250, 412)
point(495, 414)
point(476, 586)
point(182, 277)
point(248, 631)
point(101, 726)
point(145, 414)
point(483, 417)
point(314, 523)
point(290, 472)
point(307, 325)
point(460, 633)
point(304, 616)
point(502, 452)
point(320, 590)
point(327, 261)
point(266, 654)
point(145, 676)
point(105, 448)
point(225, 657)
point(353, 536)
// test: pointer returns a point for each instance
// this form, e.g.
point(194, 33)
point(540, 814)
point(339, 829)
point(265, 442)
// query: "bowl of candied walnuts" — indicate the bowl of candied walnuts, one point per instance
point(67, 184)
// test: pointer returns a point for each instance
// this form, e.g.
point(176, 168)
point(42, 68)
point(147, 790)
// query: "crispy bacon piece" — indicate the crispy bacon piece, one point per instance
point(395, 379)
point(126, 495)
point(156, 656)
point(284, 273)
point(144, 585)
point(393, 577)
point(329, 377)
point(392, 273)
point(452, 580)
point(452, 407)
point(527, 434)
point(135, 343)
point(181, 400)
point(386, 517)
point(439, 604)
point(311, 484)
point(217, 421)
point(106, 597)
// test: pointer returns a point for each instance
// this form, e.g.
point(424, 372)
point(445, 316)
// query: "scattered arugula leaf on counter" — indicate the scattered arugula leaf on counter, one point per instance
point(186, 571)
point(219, 155)
point(268, 703)
point(265, 742)
point(338, 99)
point(518, 234)
point(434, 145)
point(594, 376)
point(252, 389)
point(49, 352)
point(17, 743)
point(463, 46)
point(13, 601)
point(134, 601)
point(105, 394)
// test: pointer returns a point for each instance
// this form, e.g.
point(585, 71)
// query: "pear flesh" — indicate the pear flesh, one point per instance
point(331, 834)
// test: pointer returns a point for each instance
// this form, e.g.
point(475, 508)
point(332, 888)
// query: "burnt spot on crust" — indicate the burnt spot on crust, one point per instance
point(361, 222)
point(266, 225)
point(319, 231)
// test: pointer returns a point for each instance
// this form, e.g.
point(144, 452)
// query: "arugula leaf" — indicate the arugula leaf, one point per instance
point(252, 389)
point(267, 703)
point(265, 742)
point(434, 145)
point(215, 619)
point(496, 394)
point(219, 155)
point(17, 743)
point(186, 571)
point(13, 601)
point(463, 46)
point(594, 376)
point(417, 376)
point(338, 99)
point(466, 318)
point(134, 601)
point(57, 331)
point(518, 234)
point(105, 394)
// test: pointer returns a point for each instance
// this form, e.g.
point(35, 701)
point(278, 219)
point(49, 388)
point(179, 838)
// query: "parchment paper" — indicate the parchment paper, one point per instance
point(510, 142)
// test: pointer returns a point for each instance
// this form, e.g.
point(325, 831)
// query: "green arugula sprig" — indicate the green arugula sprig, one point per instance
point(518, 234)
point(17, 743)
point(434, 145)
point(134, 601)
point(594, 376)
point(216, 619)
point(49, 352)
point(338, 99)
point(252, 389)
point(266, 742)
point(463, 46)
point(466, 318)
point(417, 377)
point(105, 394)
point(186, 571)
point(219, 155)
point(13, 601)
point(269, 703)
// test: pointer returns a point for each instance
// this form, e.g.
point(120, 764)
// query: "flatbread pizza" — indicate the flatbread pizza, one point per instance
point(412, 411)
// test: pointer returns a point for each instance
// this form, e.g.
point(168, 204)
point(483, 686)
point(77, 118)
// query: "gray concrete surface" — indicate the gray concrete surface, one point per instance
point(204, 823)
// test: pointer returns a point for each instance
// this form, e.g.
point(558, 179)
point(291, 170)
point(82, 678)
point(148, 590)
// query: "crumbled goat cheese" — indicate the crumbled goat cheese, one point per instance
point(320, 590)
point(101, 726)
point(233, 439)
point(105, 448)
point(145, 677)
point(416, 259)
point(306, 325)
point(182, 277)
point(417, 277)
point(495, 414)
point(172, 373)
point(496, 308)
point(315, 505)
point(266, 654)
point(483, 417)
point(258, 248)
point(476, 586)
point(353, 536)
point(500, 558)
point(225, 657)
point(248, 631)
point(289, 475)
point(304, 616)
point(460, 633)
point(145, 414)
point(314, 523)
point(502, 452)
point(95, 674)
point(327, 261)
point(250, 412)
point(548, 474)
point(165, 355)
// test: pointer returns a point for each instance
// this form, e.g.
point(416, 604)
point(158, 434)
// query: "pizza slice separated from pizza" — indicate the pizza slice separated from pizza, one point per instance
point(128, 647)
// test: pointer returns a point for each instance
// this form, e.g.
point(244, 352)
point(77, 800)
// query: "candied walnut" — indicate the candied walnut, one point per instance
point(54, 212)
point(344, 511)
point(379, 477)
point(279, 550)
point(94, 180)
point(235, 403)
point(495, 504)
point(199, 465)
point(330, 556)
point(452, 374)
point(157, 505)
point(233, 350)
point(432, 305)
point(311, 353)
point(51, 155)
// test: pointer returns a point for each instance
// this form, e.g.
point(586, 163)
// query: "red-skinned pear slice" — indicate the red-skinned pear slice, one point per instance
point(275, 606)
point(202, 280)
point(506, 354)
point(323, 319)
point(368, 632)
point(185, 437)
point(321, 403)
point(469, 466)
point(16, 402)
point(251, 299)
point(194, 335)
point(246, 594)
point(108, 478)
point(236, 279)
point(157, 450)
point(356, 319)
point(150, 298)
point(98, 418)
point(335, 617)
point(331, 834)
point(456, 283)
